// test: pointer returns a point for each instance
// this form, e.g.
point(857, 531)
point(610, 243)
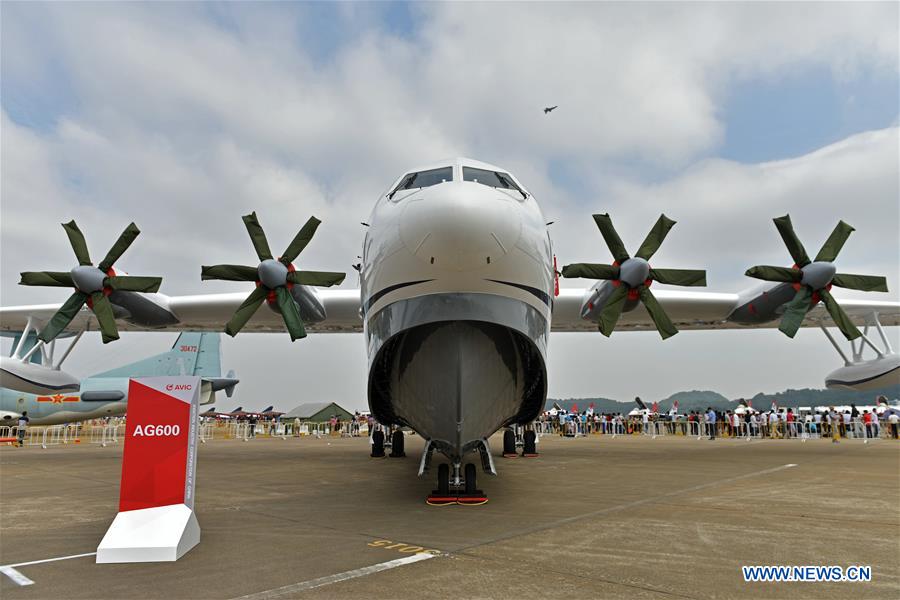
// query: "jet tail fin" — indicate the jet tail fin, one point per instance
point(194, 353)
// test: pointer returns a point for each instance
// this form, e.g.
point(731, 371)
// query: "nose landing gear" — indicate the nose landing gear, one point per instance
point(456, 489)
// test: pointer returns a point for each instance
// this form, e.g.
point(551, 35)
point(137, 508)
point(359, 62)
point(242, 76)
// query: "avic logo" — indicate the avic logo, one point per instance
point(172, 387)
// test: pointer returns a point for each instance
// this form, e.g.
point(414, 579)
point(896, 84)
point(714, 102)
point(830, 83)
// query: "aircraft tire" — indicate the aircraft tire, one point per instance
point(378, 444)
point(397, 439)
point(470, 474)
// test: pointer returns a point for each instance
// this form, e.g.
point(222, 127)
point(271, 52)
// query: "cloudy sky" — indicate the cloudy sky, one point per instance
point(182, 117)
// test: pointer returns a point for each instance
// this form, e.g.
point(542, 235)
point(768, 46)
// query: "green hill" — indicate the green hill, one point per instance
point(700, 399)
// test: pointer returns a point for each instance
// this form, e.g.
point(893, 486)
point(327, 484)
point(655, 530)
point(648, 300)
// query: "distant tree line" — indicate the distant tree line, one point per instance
point(700, 399)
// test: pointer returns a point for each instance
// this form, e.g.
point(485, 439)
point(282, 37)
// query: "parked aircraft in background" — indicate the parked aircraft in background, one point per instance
point(106, 394)
point(459, 294)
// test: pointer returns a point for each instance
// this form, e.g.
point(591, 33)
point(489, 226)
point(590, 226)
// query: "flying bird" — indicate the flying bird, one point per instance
point(549, 108)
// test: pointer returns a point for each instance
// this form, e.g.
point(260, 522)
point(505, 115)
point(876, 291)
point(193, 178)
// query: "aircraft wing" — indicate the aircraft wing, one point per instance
point(205, 312)
point(210, 312)
point(708, 310)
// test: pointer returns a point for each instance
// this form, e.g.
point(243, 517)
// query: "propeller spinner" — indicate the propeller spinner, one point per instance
point(274, 278)
point(632, 276)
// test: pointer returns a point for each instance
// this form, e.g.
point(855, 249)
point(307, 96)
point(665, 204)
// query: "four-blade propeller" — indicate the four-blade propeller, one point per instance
point(632, 276)
point(92, 284)
point(813, 279)
point(274, 278)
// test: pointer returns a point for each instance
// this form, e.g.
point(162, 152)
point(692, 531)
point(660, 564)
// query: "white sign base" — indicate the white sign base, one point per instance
point(159, 534)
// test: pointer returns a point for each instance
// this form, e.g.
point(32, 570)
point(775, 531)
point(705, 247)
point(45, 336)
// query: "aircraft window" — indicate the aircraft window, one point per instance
point(493, 179)
point(424, 179)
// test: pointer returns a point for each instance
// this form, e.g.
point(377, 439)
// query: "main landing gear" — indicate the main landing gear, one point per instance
point(515, 437)
point(380, 442)
point(455, 489)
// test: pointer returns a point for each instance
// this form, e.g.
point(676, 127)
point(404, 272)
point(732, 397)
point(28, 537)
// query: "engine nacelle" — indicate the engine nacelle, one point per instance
point(866, 375)
point(35, 379)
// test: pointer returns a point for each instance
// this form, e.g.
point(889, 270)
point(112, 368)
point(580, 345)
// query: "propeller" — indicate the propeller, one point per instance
point(812, 279)
point(632, 276)
point(92, 284)
point(274, 278)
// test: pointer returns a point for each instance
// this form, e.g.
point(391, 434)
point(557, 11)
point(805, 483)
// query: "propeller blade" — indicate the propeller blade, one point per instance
point(835, 242)
point(655, 237)
point(300, 240)
point(770, 273)
point(320, 278)
point(246, 310)
point(664, 325)
point(795, 311)
point(613, 241)
point(63, 316)
point(79, 245)
point(121, 245)
point(290, 313)
point(841, 319)
point(257, 236)
point(685, 277)
point(229, 273)
point(591, 271)
point(48, 278)
point(865, 283)
point(786, 229)
point(609, 316)
point(129, 283)
point(104, 312)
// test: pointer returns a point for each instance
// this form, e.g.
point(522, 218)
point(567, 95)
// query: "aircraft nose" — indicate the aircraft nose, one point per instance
point(461, 227)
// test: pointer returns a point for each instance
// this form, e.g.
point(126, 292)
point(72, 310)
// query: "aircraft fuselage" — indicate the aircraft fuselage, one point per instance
point(457, 289)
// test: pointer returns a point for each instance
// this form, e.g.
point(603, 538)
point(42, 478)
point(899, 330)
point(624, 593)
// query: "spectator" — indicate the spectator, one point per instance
point(894, 420)
point(22, 426)
point(711, 422)
point(836, 423)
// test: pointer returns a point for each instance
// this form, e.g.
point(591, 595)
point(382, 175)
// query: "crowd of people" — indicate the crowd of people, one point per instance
point(785, 423)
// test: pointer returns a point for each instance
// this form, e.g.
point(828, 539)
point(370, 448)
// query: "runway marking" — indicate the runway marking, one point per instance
point(401, 547)
point(17, 577)
point(292, 589)
point(11, 572)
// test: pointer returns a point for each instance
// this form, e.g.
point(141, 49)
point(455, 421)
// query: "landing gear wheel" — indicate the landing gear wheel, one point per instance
point(470, 478)
point(509, 444)
point(529, 448)
point(444, 479)
point(378, 444)
point(397, 444)
point(472, 495)
point(442, 496)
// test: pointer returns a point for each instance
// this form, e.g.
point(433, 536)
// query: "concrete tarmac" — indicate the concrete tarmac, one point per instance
point(591, 517)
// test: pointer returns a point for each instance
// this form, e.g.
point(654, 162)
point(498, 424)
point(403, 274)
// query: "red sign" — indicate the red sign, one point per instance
point(160, 453)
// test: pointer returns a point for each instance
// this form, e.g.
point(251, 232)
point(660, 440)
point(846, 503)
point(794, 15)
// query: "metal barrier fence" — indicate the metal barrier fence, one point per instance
point(803, 430)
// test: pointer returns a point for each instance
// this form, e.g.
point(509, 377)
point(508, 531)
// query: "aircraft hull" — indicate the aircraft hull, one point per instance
point(458, 367)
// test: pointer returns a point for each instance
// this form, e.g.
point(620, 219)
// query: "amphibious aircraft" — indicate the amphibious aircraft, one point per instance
point(458, 295)
point(106, 394)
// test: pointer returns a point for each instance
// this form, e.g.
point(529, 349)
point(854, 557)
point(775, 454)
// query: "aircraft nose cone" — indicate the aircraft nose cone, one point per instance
point(461, 227)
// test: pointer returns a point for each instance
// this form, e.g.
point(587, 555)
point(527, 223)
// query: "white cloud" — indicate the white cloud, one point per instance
point(183, 122)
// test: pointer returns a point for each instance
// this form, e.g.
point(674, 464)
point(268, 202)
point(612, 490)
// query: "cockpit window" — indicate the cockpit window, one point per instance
point(424, 179)
point(494, 179)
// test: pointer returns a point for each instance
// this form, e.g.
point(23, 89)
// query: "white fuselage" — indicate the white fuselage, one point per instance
point(466, 255)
